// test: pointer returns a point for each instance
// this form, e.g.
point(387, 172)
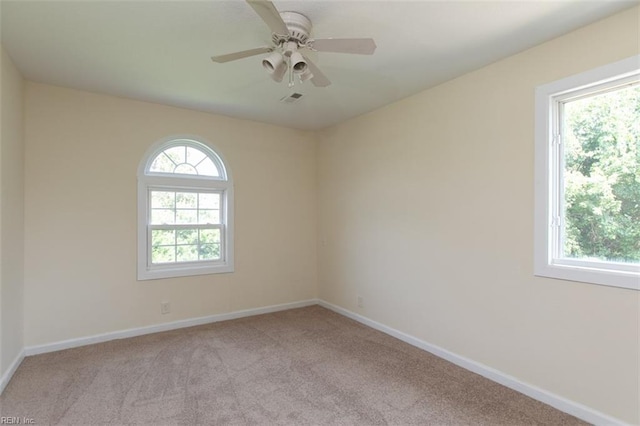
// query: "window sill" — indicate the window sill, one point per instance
point(176, 272)
point(590, 274)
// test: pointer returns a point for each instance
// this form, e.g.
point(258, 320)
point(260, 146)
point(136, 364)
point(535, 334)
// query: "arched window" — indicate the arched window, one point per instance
point(185, 211)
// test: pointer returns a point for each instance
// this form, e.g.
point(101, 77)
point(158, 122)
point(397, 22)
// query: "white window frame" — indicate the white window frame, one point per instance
point(548, 186)
point(148, 181)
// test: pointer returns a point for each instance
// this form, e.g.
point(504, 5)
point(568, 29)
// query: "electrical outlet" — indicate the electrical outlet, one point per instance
point(360, 302)
point(165, 308)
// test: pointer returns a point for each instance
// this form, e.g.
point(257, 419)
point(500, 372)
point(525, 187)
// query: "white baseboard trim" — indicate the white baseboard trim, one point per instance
point(570, 407)
point(6, 377)
point(133, 332)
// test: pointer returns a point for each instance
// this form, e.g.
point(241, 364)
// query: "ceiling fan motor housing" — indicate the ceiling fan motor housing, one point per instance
point(299, 27)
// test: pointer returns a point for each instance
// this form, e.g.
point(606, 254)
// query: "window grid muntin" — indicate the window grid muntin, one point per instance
point(187, 143)
point(172, 189)
point(176, 228)
point(184, 161)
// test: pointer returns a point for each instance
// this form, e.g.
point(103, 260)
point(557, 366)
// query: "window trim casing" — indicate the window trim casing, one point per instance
point(154, 180)
point(547, 190)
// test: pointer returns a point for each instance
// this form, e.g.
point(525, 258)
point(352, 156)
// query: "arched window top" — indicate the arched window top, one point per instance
point(185, 210)
point(185, 157)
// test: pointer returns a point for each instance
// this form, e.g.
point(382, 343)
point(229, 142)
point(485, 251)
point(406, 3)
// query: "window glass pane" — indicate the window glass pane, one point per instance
point(209, 236)
point(184, 160)
point(207, 168)
point(162, 216)
point(185, 169)
point(163, 164)
point(162, 246)
point(210, 251)
point(194, 156)
point(186, 253)
point(186, 216)
point(601, 135)
point(209, 216)
point(163, 254)
point(161, 237)
point(163, 200)
point(209, 200)
point(187, 236)
point(186, 200)
point(176, 154)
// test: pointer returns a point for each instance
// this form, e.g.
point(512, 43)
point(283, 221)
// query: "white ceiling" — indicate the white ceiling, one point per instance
point(160, 51)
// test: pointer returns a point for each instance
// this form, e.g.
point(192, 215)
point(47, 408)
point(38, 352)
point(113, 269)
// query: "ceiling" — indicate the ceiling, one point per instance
point(159, 51)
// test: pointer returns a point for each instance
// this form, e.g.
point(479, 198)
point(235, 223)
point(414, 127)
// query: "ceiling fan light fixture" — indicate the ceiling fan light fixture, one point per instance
point(298, 63)
point(272, 62)
point(278, 74)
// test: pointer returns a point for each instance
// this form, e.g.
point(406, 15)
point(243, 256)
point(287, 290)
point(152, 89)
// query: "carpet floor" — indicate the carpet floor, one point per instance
point(307, 366)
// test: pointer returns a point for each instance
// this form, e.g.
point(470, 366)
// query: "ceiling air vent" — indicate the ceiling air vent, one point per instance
point(289, 99)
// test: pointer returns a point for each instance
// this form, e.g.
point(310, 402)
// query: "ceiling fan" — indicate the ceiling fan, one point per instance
point(290, 34)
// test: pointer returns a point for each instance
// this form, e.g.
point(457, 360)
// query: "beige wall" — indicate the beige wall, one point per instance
point(11, 214)
point(426, 211)
point(82, 154)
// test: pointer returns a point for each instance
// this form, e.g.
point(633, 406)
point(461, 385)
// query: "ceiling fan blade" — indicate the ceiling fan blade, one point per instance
point(269, 15)
point(239, 55)
point(361, 46)
point(318, 79)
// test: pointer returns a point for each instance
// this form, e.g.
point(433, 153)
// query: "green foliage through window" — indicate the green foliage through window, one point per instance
point(602, 176)
point(185, 226)
point(185, 245)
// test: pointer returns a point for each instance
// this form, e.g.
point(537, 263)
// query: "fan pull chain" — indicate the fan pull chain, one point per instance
point(291, 80)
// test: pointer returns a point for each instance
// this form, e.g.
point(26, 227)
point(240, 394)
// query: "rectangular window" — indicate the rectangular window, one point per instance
point(185, 226)
point(588, 177)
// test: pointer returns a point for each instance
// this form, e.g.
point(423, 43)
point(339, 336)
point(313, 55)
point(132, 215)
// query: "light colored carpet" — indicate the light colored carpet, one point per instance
point(306, 366)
